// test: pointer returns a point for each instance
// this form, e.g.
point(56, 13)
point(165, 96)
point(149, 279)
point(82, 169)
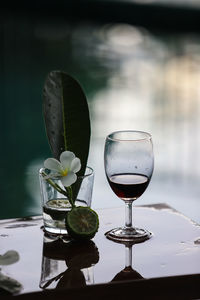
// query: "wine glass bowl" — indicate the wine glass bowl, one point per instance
point(129, 163)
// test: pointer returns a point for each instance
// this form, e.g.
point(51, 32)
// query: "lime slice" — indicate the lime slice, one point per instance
point(82, 223)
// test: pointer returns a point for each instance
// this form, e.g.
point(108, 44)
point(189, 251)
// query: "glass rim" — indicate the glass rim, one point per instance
point(91, 172)
point(147, 136)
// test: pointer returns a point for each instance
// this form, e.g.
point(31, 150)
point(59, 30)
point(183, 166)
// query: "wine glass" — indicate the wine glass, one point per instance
point(129, 162)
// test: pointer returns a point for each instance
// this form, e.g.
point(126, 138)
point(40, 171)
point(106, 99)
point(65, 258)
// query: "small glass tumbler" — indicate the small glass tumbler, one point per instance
point(56, 205)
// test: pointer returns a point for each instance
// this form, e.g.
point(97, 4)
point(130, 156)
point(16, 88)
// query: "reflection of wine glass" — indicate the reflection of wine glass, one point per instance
point(129, 162)
point(128, 273)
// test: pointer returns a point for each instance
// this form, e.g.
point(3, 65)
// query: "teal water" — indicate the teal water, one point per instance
point(30, 49)
point(133, 79)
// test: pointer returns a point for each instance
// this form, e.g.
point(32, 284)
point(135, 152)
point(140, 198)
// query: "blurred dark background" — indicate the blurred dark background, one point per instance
point(139, 64)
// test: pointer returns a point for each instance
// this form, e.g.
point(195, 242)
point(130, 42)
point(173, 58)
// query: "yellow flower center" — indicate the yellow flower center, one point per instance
point(64, 172)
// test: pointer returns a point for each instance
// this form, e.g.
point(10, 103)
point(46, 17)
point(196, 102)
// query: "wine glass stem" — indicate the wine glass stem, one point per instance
point(128, 256)
point(128, 214)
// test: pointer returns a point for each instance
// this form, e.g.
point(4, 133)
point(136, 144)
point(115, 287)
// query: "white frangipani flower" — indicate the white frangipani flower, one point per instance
point(66, 168)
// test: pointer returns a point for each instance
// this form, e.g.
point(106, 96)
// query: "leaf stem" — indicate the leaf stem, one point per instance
point(70, 196)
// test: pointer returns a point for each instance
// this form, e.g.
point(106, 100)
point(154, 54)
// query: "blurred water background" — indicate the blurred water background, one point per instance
point(134, 78)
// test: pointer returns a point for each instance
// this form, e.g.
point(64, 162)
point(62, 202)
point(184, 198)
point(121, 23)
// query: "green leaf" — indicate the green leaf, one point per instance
point(66, 116)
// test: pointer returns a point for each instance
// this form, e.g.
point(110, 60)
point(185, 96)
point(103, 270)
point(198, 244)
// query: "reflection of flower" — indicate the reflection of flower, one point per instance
point(8, 284)
point(65, 169)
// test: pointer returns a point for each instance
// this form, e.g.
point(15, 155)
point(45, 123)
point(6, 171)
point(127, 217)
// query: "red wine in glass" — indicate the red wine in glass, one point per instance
point(128, 186)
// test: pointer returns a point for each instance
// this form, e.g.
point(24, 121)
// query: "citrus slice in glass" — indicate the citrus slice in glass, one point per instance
point(82, 223)
point(57, 208)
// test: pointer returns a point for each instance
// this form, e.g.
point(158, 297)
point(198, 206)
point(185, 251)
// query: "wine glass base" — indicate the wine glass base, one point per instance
point(134, 235)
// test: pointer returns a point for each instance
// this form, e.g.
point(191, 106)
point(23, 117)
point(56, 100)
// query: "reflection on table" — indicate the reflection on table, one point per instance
point(55, 263)
point(67, 264)
point(127, 273)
